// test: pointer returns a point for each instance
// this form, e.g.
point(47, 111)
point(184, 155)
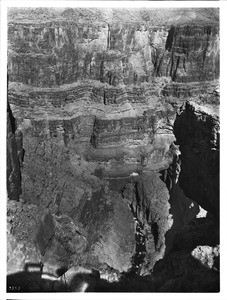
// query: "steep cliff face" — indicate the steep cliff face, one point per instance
point(197, 132)
point(64, 51)
point(14, 157)
point(97, 102)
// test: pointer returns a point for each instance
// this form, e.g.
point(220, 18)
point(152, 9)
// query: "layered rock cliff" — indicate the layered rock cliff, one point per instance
point(98, 104)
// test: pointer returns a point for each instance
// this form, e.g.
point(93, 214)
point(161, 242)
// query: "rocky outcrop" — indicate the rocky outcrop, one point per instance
point(148, 198)
point(197, 132)
point(195, 247)
point(110, 231)
point(99, 235)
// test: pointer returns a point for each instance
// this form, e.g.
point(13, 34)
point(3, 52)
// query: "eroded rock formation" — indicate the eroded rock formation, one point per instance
point(98, 104)
point(195, 251)
point(148, 198)
point(197, 132)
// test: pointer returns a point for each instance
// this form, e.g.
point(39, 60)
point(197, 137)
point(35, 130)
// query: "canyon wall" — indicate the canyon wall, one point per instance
point(98, 104)
point(64, 51)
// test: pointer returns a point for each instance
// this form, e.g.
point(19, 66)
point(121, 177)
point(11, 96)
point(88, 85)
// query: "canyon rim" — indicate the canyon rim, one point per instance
point(113, 150)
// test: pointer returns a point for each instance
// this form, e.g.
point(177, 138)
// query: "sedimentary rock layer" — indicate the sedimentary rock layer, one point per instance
point(65, 51)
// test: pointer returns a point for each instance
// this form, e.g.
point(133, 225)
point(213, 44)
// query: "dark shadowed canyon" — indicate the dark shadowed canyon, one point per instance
point(113, 150)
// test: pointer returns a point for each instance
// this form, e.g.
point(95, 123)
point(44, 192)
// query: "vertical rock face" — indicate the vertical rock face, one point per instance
point(96, 94)
point(63, 47)
point(55, 53)
point(14, 157)
point(195, 52)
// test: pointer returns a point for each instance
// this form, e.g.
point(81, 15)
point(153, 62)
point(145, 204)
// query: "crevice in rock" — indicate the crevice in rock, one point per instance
point(140, 251)
point(12, 120)
point(104, 98)
point(108, 36)
point(170, 39)
point(154, 230)
point(94, 136)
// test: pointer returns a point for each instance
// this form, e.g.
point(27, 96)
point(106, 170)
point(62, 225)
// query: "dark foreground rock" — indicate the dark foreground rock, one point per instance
point(14, 157)
point(188, 268)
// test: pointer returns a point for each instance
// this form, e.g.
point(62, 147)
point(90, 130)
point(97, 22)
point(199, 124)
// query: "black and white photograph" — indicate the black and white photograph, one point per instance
point(112, 149)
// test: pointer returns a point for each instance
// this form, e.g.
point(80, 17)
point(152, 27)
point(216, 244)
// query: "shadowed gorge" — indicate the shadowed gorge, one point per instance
point(113, 150)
